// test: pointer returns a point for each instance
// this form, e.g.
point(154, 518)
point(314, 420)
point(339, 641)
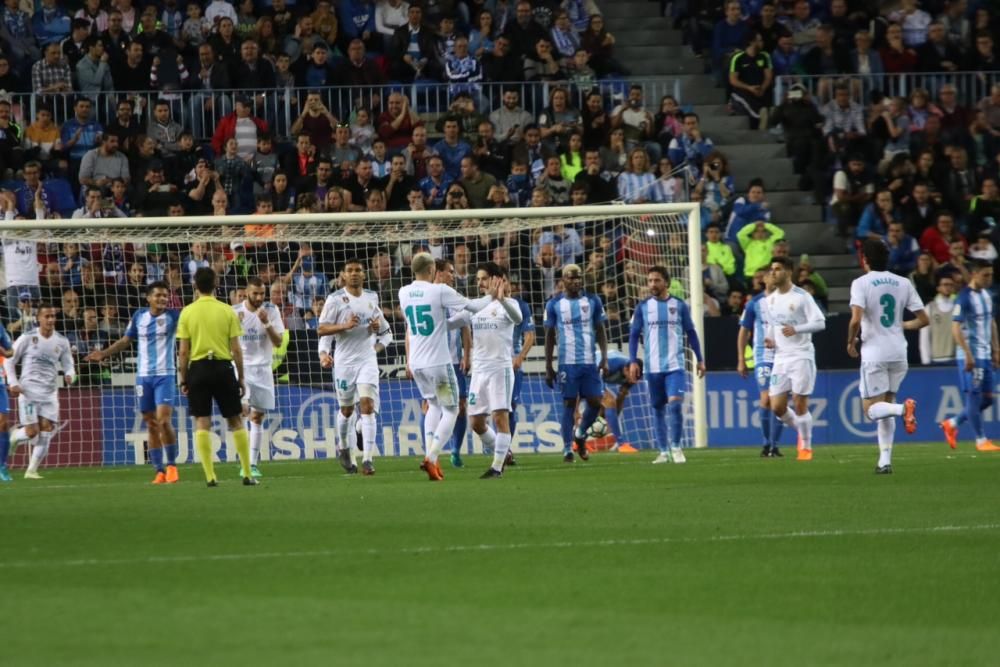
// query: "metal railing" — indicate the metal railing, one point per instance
point(971, 87)
point(200, 110)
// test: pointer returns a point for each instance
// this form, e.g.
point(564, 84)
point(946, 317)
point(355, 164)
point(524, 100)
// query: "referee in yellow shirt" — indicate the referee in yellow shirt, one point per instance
point(209, 332)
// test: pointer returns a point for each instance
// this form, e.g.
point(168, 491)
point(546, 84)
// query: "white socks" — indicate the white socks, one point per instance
point(788, 419)
point(445, 428)
point(502, 447)
point(256, 435)
point(39, 448)
point(489, 439)
point(431, 421)
point(368, 429)
point(347, 435)
point(804, 423)
point(886, 431)
point(882, 410)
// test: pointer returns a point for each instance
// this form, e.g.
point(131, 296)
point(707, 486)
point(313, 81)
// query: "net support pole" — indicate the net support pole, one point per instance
point(697, 306)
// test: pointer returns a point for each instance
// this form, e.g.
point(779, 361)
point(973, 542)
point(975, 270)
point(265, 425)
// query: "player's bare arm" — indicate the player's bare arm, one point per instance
point(956, 333)
point(550, 348)
point(742, 339)
point(269, 328)
point(237, 352)
point(602, 345)
point(919, 321)
point(183, 359)
point(854, 330)
point(117, 347)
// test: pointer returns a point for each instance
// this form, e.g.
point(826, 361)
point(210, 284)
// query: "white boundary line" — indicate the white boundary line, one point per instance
point(516, 546)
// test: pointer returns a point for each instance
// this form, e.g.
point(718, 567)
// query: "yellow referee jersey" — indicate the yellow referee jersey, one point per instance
point(210, 325)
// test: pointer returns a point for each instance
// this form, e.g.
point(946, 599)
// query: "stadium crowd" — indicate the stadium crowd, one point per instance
point(115, 110)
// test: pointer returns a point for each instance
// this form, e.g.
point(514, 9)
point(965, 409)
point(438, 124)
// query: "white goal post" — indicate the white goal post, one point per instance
point(631, 238)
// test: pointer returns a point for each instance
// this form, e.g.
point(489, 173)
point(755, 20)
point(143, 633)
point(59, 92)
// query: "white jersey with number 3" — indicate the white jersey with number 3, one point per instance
point(425, 306)
point(258, 350)
point(884, 296)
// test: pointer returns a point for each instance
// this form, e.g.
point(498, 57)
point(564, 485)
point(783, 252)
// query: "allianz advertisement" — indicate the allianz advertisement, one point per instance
point(304, 425)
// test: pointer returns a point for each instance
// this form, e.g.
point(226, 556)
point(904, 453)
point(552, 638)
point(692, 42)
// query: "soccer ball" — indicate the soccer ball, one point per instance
point(598, 429)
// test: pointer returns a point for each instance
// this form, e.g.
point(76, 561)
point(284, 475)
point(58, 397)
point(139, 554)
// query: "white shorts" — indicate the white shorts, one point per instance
point(795, 375)
point(490, 391)
point(354, 382)
point(879, 377)
point(260, 388)
point(438, 382)
point(30, 409)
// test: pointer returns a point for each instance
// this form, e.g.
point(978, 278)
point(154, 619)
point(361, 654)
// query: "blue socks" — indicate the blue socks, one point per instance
point(4, 447)
point(765, 425)
point(589, 416)
point(513, 420)
point(171, 452)
point(660, 426)
point(777, 426)
point(458, 438)
point(611, 416)
point(569, 412)
point(156, 458)
point(676, 422)
point(972, 402)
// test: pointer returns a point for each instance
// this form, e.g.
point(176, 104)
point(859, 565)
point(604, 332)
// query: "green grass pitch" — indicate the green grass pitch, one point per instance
point(727, 560)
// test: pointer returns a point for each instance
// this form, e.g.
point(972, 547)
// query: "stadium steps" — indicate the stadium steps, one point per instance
point(646, 43)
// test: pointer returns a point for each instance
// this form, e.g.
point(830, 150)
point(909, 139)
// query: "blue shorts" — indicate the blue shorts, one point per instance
point(763, 374)
point(664, 386)
point(516, 394)
point(580, 380)
point(463, 388)
point(979, 378)
point(155, 391)
point(4, 399)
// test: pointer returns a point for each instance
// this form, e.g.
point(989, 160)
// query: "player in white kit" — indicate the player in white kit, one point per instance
point(492, 388)
point(42, 354)
point(795, 317)
point(353, 318)
point(878, 299)
point(425, 306)
point(262, 332)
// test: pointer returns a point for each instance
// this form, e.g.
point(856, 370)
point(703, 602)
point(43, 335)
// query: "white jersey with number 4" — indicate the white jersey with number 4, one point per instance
point(884, 296)
point(355, 347)
point(258, 350)
point(425, 306)
point(796, 308)
point(41, 359)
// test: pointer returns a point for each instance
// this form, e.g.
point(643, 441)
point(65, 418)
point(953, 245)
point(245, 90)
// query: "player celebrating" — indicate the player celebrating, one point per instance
point(576, 319)
point(978, 352)
point(877, 302)
point(794, 317)
point(662, 321)
point(6, 345)
point(353, 317)
point(460, 344)
point(155, 329)
point(42, 354)
point(425, 304)
point(753, 323)
point(492, 383)
point(262, 332)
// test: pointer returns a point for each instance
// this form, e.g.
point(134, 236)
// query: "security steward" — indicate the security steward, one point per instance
point(209, 334)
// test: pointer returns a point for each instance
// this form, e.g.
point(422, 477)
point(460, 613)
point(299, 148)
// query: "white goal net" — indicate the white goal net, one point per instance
point(96, 272)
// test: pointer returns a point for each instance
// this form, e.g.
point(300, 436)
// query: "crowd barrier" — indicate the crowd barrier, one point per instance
point(970, 87)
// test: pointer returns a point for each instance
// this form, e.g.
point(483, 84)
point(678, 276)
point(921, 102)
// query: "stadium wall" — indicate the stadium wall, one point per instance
point(109, 432)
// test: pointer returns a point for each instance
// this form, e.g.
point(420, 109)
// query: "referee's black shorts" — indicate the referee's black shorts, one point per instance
point(209, 380)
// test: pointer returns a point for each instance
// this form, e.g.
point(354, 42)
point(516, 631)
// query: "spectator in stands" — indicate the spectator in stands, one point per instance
point(390, 15)
point(509, 120)
point(93, 75)
point(785, 58)
point(154, 195)
point(960, 186)
point(984, 141)
point(877, 216)
point(531, 151)
point(614, 156)
point(920, 211)
point(205, 104)
point(766, 23)
point(937, 344)
point(524, 32)
point(844, 123)
point(52, 74)
point(154, 40)
point(435, 184)
point(358, 70)
point(80, 133)
point(240, 125)
point(866, 61)
point(637, 123)
point(132, 73)
point(719, 252)
point(42, 143)
point(750, 79)
point(571, 156)
point(16, 36)
point(903, 249)
point(163, 129)
point(635, 183)
point(937, 54)
point(955, 118)
point(500, 65)
point(983, 59)
point(667, 123)
point(474, 182)
point(558, 120)
point(116, 39)
point(357, 21)
point(984, 209)
point(729, 36)
point(601, 185)
point(103, 164)
point(315, 123)
point(315, 70)
point(853, 190)
point(564, 38)
point(413, 51)
point(936, 240)
point(396, 124)
point(599, 45)
point(399, 184)
point(897, 56)
point(801, 123)
point(748, 209)
point(824, 59)
point(757, 242)
point(417, 153)
point(541, 64)
point(11, 152)
point(202, 188)
point(554, 183)
point(691, 146)
point(452, 148)
point(892, 126)
point(50, 24)
point(803, 26)
point(920, 109)
point(714, 189)
point(914, 23)
point(95, 205)
point(983, 248)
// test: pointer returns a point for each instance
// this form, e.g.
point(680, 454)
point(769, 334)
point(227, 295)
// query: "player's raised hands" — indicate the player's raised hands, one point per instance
point(262, 316)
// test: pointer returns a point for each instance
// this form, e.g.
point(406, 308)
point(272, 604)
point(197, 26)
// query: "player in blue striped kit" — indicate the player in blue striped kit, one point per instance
point(155, 330)
point(753, 323)
point(662, 322)
point(576, 320)
point(6, 350)
point(614, 402)
point(977, 353)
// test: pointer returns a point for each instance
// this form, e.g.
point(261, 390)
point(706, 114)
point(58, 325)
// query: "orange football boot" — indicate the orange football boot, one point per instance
point(172, 476)
point(161, 478)
point(433, 470)
point(804, 455)
point(987, 446)
point(950, 433)
point(910, 415)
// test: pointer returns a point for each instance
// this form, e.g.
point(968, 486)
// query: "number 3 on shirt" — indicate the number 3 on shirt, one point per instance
point(888, 310)
point(420, 319)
